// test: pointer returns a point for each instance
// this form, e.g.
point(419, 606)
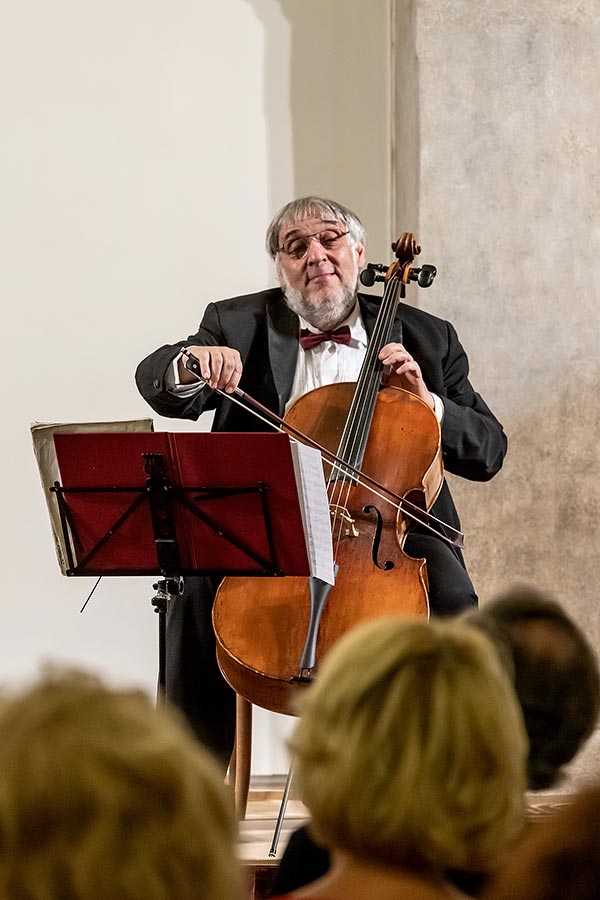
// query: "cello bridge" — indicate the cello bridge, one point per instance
point(348, 525)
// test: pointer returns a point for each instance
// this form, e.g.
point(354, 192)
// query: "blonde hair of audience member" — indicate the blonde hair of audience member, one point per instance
point(410, 750)
point(559, 858)
point(104, 797)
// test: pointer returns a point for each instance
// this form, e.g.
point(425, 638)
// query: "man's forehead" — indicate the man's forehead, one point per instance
point(306, 226)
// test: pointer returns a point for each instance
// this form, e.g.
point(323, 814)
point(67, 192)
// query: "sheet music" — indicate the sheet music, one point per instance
point(314, 506)
point(42, 435)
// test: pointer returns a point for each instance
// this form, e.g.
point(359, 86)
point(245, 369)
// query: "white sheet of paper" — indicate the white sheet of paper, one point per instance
point(314, 506)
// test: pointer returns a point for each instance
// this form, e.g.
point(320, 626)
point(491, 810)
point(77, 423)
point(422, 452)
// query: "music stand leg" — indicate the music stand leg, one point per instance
point(166, 589)
point(282, 809)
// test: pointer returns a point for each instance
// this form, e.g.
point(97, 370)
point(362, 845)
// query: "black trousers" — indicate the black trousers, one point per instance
point(194, 681)
point(451, 590)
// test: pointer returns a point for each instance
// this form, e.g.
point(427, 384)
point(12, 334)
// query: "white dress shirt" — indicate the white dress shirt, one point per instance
point(327, 363)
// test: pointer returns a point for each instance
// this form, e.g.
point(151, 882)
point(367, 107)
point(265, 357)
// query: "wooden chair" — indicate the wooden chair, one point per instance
point(241, 758)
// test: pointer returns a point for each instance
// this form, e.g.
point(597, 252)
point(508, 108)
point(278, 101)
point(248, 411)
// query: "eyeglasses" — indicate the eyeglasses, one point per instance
point(297, 247)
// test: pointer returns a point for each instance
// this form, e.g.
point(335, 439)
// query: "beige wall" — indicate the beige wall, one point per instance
point(145, 146)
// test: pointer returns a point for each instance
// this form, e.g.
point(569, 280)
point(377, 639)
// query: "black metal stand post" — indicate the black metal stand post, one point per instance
point(166, 589)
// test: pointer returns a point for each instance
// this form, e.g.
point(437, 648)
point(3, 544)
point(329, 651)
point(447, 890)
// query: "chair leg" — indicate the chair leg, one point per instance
point(242, 761)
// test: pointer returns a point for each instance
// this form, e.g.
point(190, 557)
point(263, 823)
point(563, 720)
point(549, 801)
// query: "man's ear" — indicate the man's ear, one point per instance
point(361, 256)
point(279, 273)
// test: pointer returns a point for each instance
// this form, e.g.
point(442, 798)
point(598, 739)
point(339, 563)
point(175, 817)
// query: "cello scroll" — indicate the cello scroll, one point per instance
point(406, 249)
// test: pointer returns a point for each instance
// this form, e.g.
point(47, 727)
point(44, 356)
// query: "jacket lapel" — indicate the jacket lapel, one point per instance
point(282, 330)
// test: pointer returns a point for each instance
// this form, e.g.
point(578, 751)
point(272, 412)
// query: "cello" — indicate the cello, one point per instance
point(271, 633)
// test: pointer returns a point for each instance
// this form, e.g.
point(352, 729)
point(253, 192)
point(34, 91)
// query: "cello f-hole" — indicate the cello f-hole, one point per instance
point(388, 564)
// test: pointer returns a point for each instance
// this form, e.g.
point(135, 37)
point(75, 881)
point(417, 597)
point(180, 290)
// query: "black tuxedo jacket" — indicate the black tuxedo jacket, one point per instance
point(265, 332)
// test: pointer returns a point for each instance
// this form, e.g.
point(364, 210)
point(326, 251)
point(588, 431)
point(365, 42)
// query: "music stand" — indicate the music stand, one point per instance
point(179, 504)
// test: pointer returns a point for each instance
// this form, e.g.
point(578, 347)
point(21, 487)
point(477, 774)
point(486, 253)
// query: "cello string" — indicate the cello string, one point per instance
point(356, 429)
point(380, 337)
point(334, 507)
point(358, 424)
point(358, 414)
point(401, 503)
point(351, 438)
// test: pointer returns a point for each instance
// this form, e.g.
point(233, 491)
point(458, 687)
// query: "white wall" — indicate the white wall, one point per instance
point(145, 146)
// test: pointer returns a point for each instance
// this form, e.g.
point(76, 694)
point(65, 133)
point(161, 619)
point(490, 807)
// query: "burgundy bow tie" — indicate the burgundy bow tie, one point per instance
point(310, 339)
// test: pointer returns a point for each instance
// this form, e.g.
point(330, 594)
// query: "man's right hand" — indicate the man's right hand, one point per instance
point(220, 367)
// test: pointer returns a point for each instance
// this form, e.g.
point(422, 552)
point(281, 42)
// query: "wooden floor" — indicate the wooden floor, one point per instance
point(257, 830)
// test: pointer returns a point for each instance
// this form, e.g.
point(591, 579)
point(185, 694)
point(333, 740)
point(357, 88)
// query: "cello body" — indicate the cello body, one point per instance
point(261, 623)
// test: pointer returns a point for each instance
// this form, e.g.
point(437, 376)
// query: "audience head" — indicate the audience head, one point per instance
point(555, 673)
point(102, 796)
point(559, 858)
point(410, 749)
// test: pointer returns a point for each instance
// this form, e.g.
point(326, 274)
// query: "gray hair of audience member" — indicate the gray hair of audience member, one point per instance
point(103, 796)
point(410, 749)
point(307, 207)
point(555, 672)
point(559, 857)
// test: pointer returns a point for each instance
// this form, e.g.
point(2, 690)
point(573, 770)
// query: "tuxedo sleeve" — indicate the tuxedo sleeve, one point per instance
point(151, 373)
point(473, 441)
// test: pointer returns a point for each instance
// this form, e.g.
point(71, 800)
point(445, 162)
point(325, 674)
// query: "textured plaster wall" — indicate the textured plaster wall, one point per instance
point(405, 133)
point(508, 178)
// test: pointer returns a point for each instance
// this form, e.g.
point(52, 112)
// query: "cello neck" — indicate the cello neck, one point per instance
point(360, 415)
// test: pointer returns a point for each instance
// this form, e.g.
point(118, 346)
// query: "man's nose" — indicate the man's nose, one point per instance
point(315, 252)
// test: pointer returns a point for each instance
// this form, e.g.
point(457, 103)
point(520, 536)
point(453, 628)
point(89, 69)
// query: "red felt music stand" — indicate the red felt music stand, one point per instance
point(179, 504)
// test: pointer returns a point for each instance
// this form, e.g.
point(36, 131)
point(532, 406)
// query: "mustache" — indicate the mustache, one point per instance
point(328, 307)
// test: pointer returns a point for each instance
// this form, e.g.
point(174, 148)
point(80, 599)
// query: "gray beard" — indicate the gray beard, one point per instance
point(324, 313)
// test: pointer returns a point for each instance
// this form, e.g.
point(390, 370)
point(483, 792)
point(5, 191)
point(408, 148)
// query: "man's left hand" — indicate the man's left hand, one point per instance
point(407, 369)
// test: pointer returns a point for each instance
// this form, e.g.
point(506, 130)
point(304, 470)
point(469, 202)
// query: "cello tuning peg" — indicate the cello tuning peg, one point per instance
point(369, 276)
point(423, 276)
point(426, 276)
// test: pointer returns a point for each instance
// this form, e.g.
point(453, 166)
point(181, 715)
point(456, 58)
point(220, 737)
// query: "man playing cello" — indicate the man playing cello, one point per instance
point(277, 345)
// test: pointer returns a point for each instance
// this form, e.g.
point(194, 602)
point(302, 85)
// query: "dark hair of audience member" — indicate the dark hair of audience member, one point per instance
point(559, 858)
point(556, 676)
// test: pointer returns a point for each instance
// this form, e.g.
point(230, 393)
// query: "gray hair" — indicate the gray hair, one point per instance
point(304, 208)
